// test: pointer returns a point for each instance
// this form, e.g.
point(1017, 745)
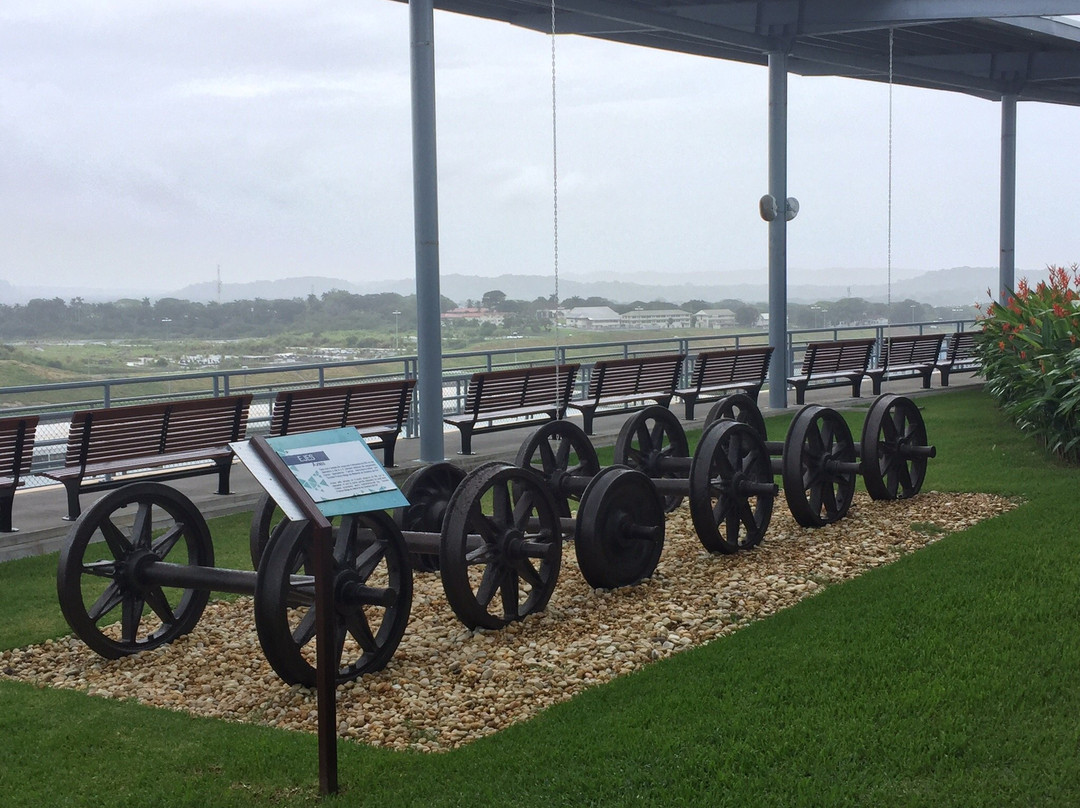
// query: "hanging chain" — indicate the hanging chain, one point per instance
point(889, 226)
point(555, 205)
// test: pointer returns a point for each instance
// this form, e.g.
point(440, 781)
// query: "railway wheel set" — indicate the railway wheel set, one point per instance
point(138, 568)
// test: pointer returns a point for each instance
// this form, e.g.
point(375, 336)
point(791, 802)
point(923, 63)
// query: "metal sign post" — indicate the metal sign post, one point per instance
point(326, 664)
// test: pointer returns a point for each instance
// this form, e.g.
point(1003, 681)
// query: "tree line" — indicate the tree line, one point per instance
point(171, 318)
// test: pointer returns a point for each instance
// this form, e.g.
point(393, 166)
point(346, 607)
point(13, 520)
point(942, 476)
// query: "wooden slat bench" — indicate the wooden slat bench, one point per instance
point(107, 442)
point(635, 381)
point(833, 364)
point(907, 356)
point(16, 453)
point(960, 356)
point(734, 370)
point(501, 399)
point(377, 409)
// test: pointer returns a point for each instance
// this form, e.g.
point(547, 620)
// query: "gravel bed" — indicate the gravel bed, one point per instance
point(447, 686)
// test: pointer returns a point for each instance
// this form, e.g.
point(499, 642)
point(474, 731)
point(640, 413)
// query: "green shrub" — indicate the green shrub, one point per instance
point(1030, 351)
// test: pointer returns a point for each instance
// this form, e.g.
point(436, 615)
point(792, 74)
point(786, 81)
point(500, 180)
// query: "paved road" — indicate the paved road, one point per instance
point(41, 529)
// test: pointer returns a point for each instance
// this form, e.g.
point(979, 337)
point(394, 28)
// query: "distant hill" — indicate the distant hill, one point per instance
point(958, 286)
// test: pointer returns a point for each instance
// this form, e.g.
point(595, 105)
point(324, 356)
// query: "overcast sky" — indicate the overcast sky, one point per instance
point(142, 144)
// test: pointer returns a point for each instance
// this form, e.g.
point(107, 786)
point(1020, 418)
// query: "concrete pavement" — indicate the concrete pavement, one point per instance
point(41, 529)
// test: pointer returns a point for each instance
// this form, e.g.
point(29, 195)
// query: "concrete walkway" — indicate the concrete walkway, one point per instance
point(38, 512)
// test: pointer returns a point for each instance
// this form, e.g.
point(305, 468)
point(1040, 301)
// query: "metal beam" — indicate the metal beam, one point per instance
point(426, 229)
point(817, 17)
point(1007, 234)
point(778, 229)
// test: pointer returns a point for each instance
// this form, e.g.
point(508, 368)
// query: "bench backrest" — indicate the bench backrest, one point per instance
point(734, 365)
point(374, 404)
point(911, 349)
point(645, 374)
point(834, 357)
point(961, 346)
point(144, 430)
point(496, 390)
point(16, 446)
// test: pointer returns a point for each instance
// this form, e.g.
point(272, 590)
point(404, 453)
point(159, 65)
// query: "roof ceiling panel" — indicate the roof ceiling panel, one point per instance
point(986, 48)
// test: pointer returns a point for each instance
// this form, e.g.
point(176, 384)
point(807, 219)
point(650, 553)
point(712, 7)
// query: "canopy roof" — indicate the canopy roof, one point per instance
point(986, 48)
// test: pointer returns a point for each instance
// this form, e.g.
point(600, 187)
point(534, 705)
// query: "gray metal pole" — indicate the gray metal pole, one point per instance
point(426, 229)
point(778, 229)
point(1007, 260)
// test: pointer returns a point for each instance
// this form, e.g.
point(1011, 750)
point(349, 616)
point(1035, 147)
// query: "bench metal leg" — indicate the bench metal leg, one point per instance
point(690, 402)
point(6, 501)
point(587, 414)
point(74, 508)
point(856, 388)
point(388, 450)
point(466, 438)
point(224, 469)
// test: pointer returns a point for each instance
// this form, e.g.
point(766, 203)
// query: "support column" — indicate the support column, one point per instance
point(1007, 228)
point(778, 230)
point(426, 230)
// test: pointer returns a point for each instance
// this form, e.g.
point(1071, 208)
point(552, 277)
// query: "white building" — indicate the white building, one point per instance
point(592, 318)
point(656, 318)
point(714, 318)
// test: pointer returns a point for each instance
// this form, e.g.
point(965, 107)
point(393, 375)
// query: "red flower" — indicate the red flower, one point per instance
point(1001, 345)
point(1059, 311)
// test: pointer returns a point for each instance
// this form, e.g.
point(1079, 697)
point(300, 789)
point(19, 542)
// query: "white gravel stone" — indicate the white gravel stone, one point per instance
point(447, 686)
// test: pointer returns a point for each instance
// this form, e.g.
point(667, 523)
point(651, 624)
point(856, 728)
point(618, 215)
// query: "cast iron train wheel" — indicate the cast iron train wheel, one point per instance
point(428, 490)
point(501, 546)
point(267, 521)
point(731, 487)
point(105, 601)
point(619, 533)
point(894, 449)
point(819, 466)
point(649, 438)
point(738, 407)
point(372, 597)
point(557, 450)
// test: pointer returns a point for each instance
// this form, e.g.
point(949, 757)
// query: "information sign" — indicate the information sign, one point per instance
point(335, 467)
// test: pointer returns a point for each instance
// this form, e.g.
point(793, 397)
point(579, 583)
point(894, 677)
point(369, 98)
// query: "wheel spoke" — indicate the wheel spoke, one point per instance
point(165, 544)
point(358, 627)
point(722, 509)
point(480, 555)
point(511, 608)
point(749, 518)
point(828, 498)
point(656, 436)
point(132, 617)
point(344, 541)
point(142, 529)
point(528, 573)
point(903, 474)
point(109, 600)
point(305, 629)
point(369, 559)
point(489, 583)
point(559, 459)
point(100, 569)
point(156, 600)
point(523, 509)
point(501, 506)
point(118, 543)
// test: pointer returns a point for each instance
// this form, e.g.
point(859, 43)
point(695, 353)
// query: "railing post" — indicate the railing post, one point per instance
point(106, 395)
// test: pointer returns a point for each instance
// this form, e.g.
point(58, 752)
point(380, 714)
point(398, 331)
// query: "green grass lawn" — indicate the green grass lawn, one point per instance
point(950, 678)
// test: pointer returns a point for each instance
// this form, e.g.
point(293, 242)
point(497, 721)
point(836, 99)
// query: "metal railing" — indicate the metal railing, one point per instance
point(55, 402)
